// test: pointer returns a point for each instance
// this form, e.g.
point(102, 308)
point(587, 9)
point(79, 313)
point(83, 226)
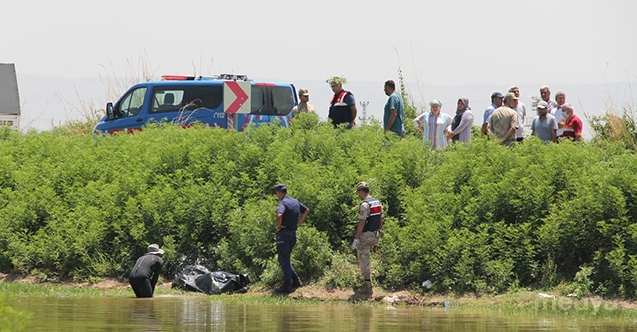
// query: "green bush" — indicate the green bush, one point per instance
point(472, 218)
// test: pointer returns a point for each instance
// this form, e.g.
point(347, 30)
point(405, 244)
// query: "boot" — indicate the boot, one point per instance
point(285, 289)
point(296, 283)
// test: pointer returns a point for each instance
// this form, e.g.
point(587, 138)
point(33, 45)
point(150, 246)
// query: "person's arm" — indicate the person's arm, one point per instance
point(577, 128)
point(156, 272)
point(354, 112)
point(514, 127)
point(279, 220)
point(392, 117)
point(418, 123)
point(554, 135)
point(303, 215)
point(509, 133)
point(485, 128)
point(467, 120)
point(532, 132)
point(359, 229)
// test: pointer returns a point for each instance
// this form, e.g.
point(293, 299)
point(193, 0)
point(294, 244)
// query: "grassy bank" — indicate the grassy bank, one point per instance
point(518, 302)
point(474, 219)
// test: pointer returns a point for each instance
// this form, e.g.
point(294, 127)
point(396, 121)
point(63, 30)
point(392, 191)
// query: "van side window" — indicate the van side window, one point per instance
point(167, 100)
point(282, 100)
point(203, 97)
point(132, 103)
point(257, 100)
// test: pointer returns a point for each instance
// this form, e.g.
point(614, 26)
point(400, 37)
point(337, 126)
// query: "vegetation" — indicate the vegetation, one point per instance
point(477, 218)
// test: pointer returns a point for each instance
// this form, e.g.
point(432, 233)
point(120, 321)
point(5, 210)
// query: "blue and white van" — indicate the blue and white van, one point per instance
point(187, 100)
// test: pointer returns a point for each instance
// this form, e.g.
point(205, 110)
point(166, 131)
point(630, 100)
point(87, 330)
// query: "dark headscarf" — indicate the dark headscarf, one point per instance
point(456, 120)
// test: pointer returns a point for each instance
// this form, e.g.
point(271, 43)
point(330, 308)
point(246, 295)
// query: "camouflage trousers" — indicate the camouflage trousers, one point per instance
point(366, 241)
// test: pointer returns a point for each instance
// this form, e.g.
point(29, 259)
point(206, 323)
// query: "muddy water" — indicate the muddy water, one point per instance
point(176, 313)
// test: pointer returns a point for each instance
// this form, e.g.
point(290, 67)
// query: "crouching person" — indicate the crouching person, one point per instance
point(145, 273)
point(370, 222)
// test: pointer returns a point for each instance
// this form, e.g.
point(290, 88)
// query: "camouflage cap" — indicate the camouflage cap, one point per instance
point(362, 185)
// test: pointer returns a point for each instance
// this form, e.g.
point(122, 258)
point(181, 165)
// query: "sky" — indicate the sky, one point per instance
point(436, 43)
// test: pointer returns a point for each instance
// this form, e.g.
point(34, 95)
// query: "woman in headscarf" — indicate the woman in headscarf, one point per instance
point(432, 125)
point(460, 129)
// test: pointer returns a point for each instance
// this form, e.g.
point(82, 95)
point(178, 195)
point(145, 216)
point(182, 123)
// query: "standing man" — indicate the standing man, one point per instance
point(343, 106)
point(545, 93)
point(394, 110)
point(560, 100)
point(496, 101)
point(143, 277)
point(504, 121)
point(571, 124)
point(545, 125)
point(370, 222)
point(521, 110)
point(303, 106)
point(290, 213)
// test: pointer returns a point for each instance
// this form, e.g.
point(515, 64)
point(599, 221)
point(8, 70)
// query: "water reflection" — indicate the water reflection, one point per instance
point(200, 313)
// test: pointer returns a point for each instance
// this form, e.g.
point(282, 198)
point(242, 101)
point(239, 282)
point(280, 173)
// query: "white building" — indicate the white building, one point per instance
point(9, 97)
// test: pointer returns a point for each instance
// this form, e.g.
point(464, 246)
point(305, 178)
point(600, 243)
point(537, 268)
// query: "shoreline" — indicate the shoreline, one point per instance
point(524, 301)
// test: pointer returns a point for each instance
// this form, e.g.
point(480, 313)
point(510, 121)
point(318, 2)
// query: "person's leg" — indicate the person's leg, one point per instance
point(363, 252)
point(134, 285)
point(145, 288)
point(283, 250)
point(296, 281)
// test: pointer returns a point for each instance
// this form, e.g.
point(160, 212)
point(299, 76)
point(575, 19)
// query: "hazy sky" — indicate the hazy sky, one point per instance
point(441, 42)
point(447, 43)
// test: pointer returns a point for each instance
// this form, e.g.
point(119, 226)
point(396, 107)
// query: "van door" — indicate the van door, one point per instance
point(129, 112)
point(188, 104)
point(269, 102)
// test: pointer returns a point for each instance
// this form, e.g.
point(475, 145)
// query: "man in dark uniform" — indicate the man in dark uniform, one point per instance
point(343, 105)
point(290, 213)
point(370, 222)
point(145, 273)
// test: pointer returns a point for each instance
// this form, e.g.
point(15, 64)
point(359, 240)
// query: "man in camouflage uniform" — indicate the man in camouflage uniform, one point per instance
point(370, 222)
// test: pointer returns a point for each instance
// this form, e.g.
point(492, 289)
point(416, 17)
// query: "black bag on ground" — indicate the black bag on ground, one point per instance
point(197, 278)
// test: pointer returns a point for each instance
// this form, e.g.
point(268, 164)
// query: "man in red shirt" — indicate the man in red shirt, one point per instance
point(571, 124)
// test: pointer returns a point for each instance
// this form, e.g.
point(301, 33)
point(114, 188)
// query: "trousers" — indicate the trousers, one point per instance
point(365, 243)
point(141, 287)
point(285, 241)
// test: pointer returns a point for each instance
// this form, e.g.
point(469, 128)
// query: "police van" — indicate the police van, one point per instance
point(224, 101)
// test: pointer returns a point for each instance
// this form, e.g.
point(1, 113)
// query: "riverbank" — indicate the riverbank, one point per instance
point(522, 301)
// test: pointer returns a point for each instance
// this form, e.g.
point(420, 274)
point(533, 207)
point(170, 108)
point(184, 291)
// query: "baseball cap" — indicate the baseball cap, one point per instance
point(510, 96)
point(280, 187)
point(362, 185)
point(496, 95)
point(542, 104)
point(303, 92)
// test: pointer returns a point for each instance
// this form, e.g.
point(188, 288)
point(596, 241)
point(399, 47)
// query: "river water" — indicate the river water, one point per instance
point(187, 313)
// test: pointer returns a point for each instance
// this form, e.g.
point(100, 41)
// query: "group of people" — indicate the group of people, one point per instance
point(503, 119)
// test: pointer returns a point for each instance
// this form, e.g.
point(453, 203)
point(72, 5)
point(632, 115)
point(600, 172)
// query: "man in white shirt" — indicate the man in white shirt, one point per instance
point(560, 99)
point(521, 110)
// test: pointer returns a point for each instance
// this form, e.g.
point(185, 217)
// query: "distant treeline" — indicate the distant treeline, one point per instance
point(471, 218)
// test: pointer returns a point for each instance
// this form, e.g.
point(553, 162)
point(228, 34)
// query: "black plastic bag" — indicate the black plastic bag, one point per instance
point(197, 278)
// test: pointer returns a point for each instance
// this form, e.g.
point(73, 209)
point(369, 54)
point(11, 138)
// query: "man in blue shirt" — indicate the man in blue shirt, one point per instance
point(497, 100)
point(290, 213)
point(394, 110)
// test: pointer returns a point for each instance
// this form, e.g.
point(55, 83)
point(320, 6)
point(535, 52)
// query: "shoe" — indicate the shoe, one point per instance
point(285, 289)
point(296, 283)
